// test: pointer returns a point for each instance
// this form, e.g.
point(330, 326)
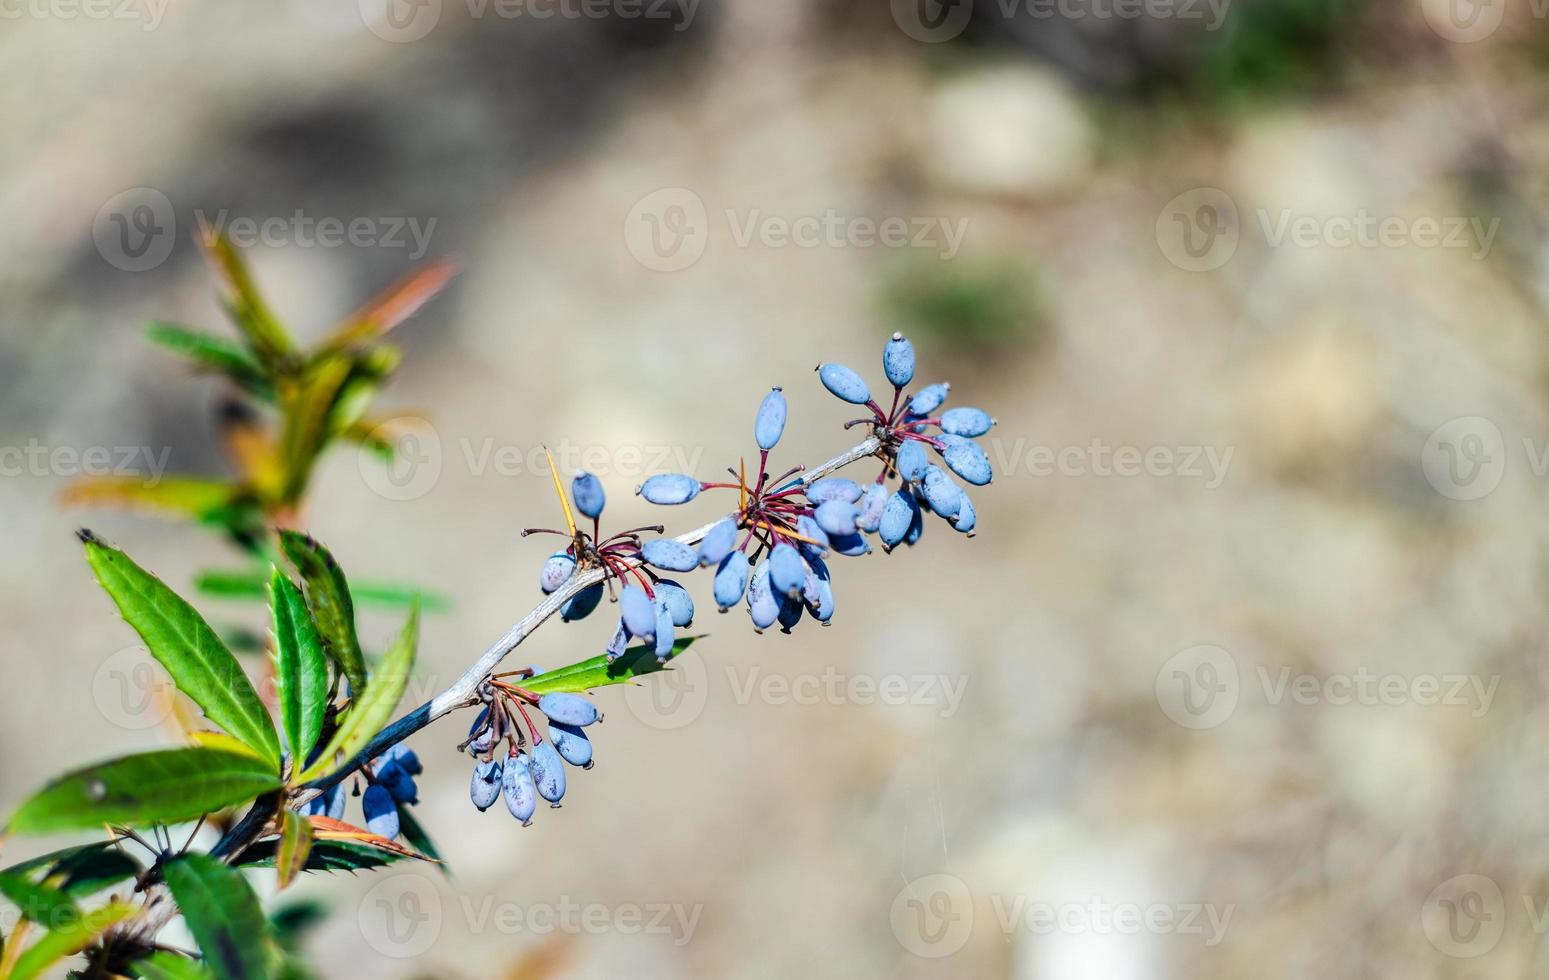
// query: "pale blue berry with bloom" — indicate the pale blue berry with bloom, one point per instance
point(929, 398)
point(718, 542)
point(556, 571)
point(731, 580)
point(636, 611)
point(967, 422)
point(669, 488)
point(836, 517)
point(572, 709)
point(898, 361)
point(770, 421)
point(586, 490)
point(940, 493)
point(786, 570)
point(844, 383)
point(517, 787)
point(670, 554)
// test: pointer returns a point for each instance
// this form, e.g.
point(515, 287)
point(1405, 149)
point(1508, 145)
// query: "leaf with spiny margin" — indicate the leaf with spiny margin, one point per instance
point(295, 845)
point(168, 496)
point(594, 672)
point(47, 906)
point(213, 353)
point(370, 711)
point(81, 870)
point(153, 787)
point(328, 596)
point(180, 639)
point(329, 855)
point(300, 668)
point(224, 916)
point(68, 940)
point(167, 965)
point(265, 337)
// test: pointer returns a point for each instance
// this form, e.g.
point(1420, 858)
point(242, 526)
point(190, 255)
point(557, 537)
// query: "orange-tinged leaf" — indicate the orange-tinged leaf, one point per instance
point(393, 305)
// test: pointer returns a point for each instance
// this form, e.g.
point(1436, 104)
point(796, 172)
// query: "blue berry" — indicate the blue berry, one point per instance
point(850, 545)
point(484, 787)
point(836, 517)
point(834, 488)
point(898, 361)
point(818, 594)
point(917, 522)
point(786, 571)
point(941, 494)
point(663, 629)
point(929, 398)
point(808, 527)
point(548, 773)
point(896, 518)
point(399, 784)
point(731, 580)
point(582, 603)
point(381, 811)
point(790, 613)
point(572, 709)
point(912, 460)
point(405, 757)
point(966, 519)
point(618, 643)
point(636, 611)
point(967, 422)
point(329, 803)
point(844, 383)
point(670, 554)
point(556, 572)
point(869, 510)
point(718, 542)
point(763, 607)
point(679, 603)
point(771, 419)
point(669, 488)
point(586, 491)
point(966, 459)
point(481, 738)
point(517, 786)
point(571, 743)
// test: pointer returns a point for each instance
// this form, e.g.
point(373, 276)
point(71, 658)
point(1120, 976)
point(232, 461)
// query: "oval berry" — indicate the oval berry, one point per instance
point(941, 494)
point(718, 542)
point(548, 773)
point(731, 580)
point(967, 422)
point(844, 383)
point(836, 517)
point(898, 361)
point(966, 459)
point(966, 519)
point(586, 490)
point(616, 645)
point(663, 629)
point(896, 518)
point(929, 398)
point(807, 527)
point(911, 460)
point(405, 757)
point(679, 603)
point(850, 545)
point(484, 787)
point(556, 572)
point(517, 787)
point(763, 607)
point(834, 488)
point(572, 709)
point(770, 422)
point(636, 611)
point(670, 554)
point(869, 511)
point(786, 571)
point(582, 603)
point(381, 812)
point(571, 743)
point(399, 784)
point(669, 488)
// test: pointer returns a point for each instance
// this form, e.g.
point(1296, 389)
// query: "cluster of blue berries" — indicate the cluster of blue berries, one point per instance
point(523, 775)
point(798, 524)
point(389, 785)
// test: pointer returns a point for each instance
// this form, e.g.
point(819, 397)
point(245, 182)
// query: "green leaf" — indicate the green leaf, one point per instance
point(267, 339)
point(69, 940)
point(164, 965)
point(300, 669)
point(370, 711)
point(47, 906)
point(308, 411)
point(178, 637)
point(594, 672)
point(216, 354)
point(415, 836)
point(327, 855)
point(169, 496)
point(81, 870)
point(165, 786)
point(295, 844)
point(292, 920)
point(254, 584)
point(328, 596)
point(224, 916)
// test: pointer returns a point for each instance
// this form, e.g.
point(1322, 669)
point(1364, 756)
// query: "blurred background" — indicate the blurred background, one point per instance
point(1242, 674)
